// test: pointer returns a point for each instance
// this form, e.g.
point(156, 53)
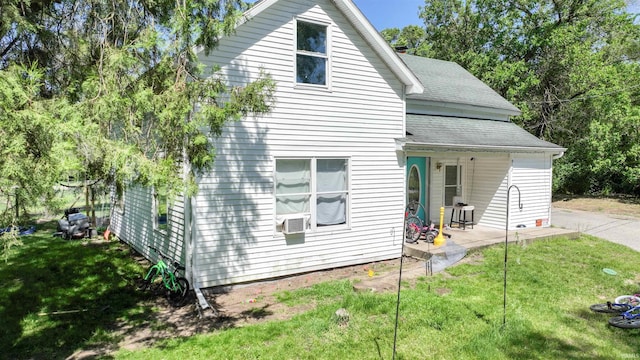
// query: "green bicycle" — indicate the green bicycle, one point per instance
point(161, 276)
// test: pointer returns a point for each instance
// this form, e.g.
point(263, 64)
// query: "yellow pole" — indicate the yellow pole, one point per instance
point(439, 240)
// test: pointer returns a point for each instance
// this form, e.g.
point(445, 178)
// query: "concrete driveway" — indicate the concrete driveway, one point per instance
point(619, 229)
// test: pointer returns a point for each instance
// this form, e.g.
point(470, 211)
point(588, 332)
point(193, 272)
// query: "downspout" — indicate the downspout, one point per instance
point(509, 183)
point(195, 273)
point(553, 157)
point(190, 240)
point(188, 226)
point(401, 155)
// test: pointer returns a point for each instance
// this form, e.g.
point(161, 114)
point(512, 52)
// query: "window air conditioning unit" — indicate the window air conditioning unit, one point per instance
point(294, 225)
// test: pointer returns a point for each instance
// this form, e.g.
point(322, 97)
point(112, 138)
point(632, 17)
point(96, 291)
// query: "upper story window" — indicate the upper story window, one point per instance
point(311, 53)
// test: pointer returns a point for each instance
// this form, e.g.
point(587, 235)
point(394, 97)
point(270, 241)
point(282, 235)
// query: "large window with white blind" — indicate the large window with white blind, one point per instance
point(317, 188)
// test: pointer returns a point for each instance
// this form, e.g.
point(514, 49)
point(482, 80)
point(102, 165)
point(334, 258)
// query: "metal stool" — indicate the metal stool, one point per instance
point(461, 208)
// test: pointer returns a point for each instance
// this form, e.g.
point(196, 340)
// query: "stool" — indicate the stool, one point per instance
point(462, 213)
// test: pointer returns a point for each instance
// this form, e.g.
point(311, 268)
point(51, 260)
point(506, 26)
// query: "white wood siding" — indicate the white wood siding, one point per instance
point(486, 180)
point(357, 117)
point(479, 182)
point(533, 176)
point(488, 177)
point(134, 225)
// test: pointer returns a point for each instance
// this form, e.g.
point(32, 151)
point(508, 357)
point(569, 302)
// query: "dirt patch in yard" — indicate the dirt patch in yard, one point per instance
point(248, 304)
point(619, 205)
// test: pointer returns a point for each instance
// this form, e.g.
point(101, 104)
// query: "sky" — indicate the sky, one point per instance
point(384, 14)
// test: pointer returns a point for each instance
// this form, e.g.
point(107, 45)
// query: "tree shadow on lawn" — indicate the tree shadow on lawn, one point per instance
point(528, 343)
point(536, 345)
point(59, 296)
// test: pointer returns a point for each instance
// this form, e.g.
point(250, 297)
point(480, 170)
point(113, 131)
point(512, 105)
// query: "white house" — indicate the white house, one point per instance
point(321, 181)
point(460, 142)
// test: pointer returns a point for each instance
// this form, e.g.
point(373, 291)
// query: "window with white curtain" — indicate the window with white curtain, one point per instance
point(314, 187)
point(293, 186)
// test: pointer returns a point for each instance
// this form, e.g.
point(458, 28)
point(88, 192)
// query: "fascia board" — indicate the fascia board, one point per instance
point(478, 148)
point(384, 50)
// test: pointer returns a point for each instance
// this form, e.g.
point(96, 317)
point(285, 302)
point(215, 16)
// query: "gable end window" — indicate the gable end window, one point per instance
point(311, 53)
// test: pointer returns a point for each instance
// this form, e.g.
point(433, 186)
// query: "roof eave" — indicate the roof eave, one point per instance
point(256, 9)
point(384, 50)
point(409, 145)
point(502, 111)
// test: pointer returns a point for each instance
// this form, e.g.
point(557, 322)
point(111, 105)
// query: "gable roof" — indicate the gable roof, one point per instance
point(448, 82)
point(370, 35)
point(430, 132)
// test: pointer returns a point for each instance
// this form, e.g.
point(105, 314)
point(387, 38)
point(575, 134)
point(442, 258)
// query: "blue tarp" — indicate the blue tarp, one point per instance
point(21, 230)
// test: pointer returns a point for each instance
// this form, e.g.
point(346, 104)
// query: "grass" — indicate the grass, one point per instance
point(550, 287)
point(58, 296)
point(452, 315)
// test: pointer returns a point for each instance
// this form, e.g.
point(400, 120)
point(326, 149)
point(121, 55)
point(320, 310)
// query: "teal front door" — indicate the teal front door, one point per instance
point(417, 183)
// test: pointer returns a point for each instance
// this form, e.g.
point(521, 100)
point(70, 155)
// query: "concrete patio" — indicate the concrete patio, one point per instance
point(480, 237)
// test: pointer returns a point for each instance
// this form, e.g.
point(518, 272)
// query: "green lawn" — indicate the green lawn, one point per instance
point(58, 296)
point(457, 315)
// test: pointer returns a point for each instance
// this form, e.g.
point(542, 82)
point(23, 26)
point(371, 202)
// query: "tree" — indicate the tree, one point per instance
point(108, 89)
point(411, 37)
point(29, 144)
point(570, 65)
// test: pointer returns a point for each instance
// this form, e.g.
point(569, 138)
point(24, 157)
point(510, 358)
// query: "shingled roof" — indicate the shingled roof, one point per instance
point(448, 82)
point(463, 134)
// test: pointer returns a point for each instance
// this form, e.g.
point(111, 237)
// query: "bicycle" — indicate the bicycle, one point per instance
point(161, 276)
point(415, 230)
point(629, 319)
point(413, 227)
point(627, 308)
point(619, 305)
point(633, 300)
